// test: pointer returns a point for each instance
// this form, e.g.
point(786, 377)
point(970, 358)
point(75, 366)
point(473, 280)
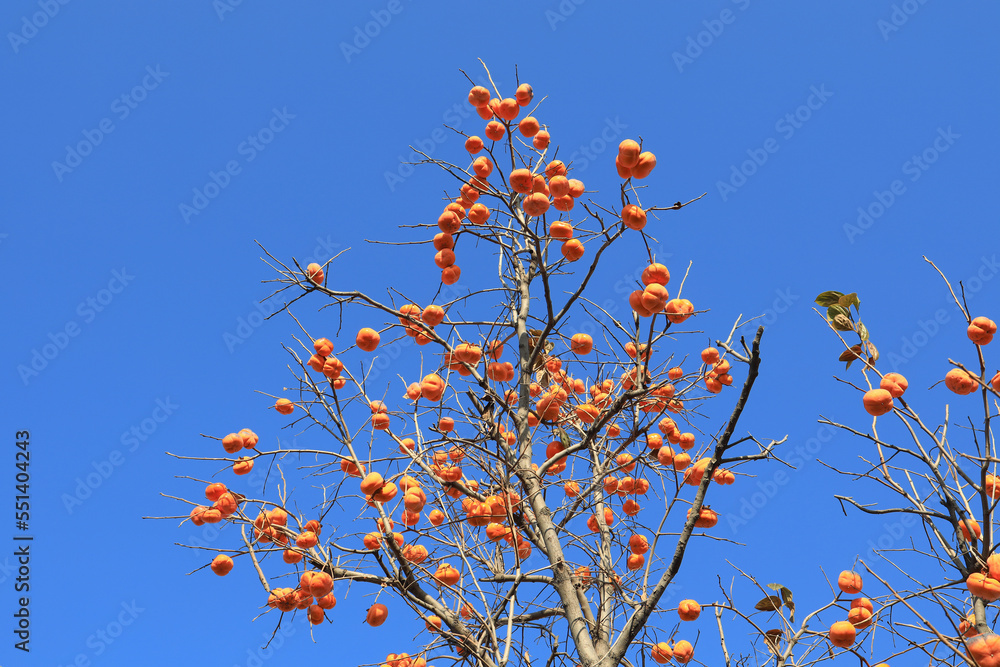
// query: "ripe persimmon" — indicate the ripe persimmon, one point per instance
point(535, 204)
point(976, 530)
point(558, 186)
point(981, 330)
point(442, 241)
point(638, 544)
point(678, 310)
point(315, 273)
point(323, 346)
point(215, 490)
point(707, 518)
point(877, 402)
point(449, 222)
point(623, 171)
point(376, 615)
point(628, 153)
point(306, 540)
point(529, 126)
point(984, 649)
point(960, 381)
point(520, 180)
point(444, 258)
point(561, 229)
point(581, 343)
point(662, 653)
point(644, 165)
point(849, 582)
point(479, 96)
point(983, 586)
point(894, 383)
point(689, 610)
point(507, 109)
point(446, 574)
point(222, 565)
point(478, 214)
point(494, 130)
point(842, 634)
point(683, 651)
point(243, 466)
point(524, 94)
point(992, 486)
point(859, 617)
point(482, 166)
point(367, 339)
point(654, 297)
point(572, 249)
point(541, 140)
point(232, 443)
point(474, 144)
point(633, 217)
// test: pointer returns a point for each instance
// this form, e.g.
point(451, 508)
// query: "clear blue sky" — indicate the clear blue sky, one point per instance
point(135, 295)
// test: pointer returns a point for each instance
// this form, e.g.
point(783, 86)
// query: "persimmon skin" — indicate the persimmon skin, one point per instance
point(849, 582)
point(367, 339)
point(842, 634)
point(877, 402)
point(628, 153)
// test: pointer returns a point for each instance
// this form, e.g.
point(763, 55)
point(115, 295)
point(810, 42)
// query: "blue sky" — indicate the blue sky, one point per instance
point(837, 144)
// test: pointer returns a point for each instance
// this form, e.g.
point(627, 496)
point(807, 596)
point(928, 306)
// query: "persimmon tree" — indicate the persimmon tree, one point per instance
point(925, 598)
point(527, 487)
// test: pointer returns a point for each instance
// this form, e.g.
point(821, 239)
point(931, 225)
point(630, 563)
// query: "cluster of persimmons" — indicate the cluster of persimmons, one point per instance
point(441, 484)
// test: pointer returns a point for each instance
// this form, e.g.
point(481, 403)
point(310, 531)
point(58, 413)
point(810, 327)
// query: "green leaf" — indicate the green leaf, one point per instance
point(835, 310)
point(862, 330)
point(848, 300)
point(828, 298)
